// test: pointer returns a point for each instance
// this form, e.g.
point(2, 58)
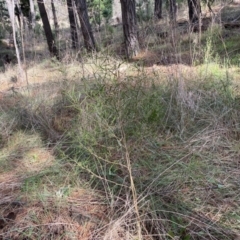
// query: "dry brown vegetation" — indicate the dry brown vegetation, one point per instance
point(106, 149)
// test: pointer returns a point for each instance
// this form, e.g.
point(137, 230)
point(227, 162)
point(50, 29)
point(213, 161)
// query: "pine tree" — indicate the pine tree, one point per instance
point(130, 28)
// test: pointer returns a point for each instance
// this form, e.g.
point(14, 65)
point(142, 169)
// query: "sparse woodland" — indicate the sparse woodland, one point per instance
point(119, 119)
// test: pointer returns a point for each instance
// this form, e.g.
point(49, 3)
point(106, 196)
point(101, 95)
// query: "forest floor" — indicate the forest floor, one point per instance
point(106, 149)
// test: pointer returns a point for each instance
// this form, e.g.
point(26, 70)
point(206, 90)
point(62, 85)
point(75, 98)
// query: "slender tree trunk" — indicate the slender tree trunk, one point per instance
point(56, 26)
point(148, 9)
point(72, 24)
point(173, 12)
point(18, 13)
point(11, 10)
point(22, 32)
point(158, 9)
point(85, 24)
point(32, 14)
point(194, 8)
point(130, 30)
point(77, 21)
point(47, 29)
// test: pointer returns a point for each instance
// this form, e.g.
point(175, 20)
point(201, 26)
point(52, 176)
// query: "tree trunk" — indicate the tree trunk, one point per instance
point(47, 29)
point(173, 12)
point(85, 24)
point(158, 9)
point(32, 19)
point(194, 8)
point(11, 11)
point(130, 30)
point(72, 24)
point(56, 26)
point(77, 21)
point(18, 13)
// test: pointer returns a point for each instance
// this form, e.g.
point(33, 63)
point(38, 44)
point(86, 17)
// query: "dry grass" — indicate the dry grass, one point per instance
point(70, 218)
point(104, 149)
point(198, 173)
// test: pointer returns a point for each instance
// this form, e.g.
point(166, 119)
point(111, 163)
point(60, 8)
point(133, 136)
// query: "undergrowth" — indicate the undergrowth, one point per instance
point(158, 157)
point(122, 151)
point(155, 149)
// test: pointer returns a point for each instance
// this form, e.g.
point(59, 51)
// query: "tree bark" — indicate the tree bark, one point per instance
point(32, 18)
point(18, 13)
point(47, 29)
point(72, 22)
point(173, 12)
point(11, 11)
point(158, 9)
point(194, 10)
point(130, 30)
point(82, 10)
point(76, 17)
point(56, 26)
